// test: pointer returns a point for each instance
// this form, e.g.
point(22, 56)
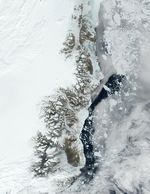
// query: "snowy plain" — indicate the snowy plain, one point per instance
point(31, 36)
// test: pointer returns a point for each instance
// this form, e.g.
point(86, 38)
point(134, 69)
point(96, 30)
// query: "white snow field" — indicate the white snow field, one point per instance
point(31, 35)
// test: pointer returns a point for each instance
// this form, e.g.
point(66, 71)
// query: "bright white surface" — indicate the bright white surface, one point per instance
point(31, 35)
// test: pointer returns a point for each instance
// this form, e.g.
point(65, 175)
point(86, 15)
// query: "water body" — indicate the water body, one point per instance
point(112, 86)
point(109, 86)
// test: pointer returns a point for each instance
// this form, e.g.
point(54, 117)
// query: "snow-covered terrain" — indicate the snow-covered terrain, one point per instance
point(31, 36)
